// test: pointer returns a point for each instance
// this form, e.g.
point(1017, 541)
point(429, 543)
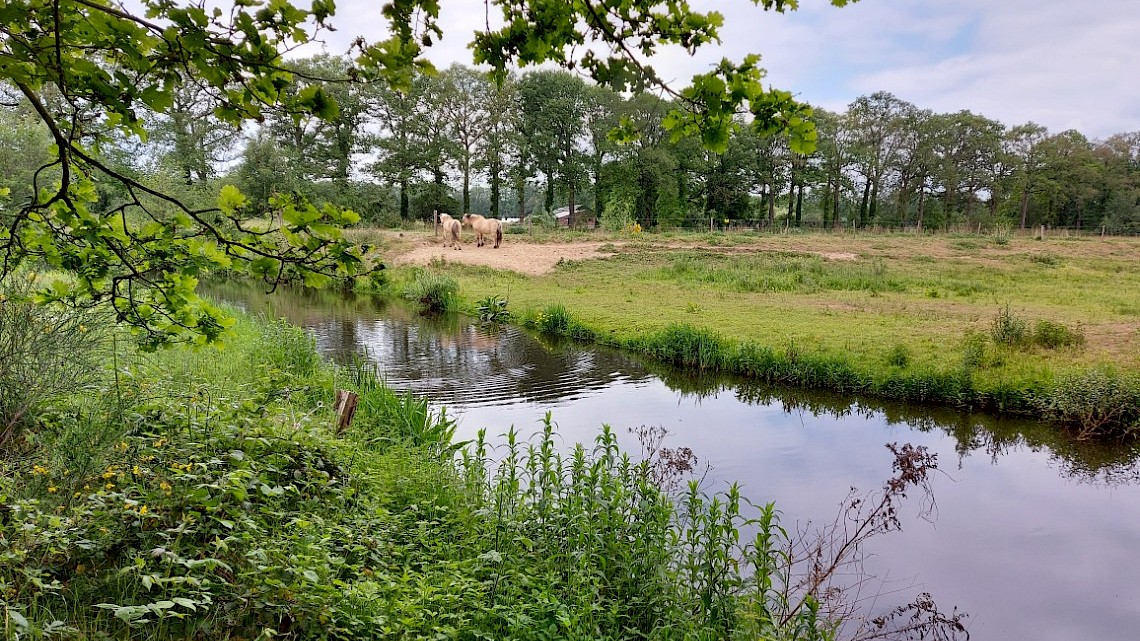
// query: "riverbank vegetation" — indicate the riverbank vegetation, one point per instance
point(198, 493)
point(1037, 327)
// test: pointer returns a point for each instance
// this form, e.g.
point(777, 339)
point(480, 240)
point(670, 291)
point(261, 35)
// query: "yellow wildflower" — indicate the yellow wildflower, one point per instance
point(52, 489)
point(109, 486)
point(165, 487)
point(142, 510)
point(137, 471)
point(39, 469)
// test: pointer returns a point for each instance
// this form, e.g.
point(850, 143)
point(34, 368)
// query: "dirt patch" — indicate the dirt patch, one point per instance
point(523, 257)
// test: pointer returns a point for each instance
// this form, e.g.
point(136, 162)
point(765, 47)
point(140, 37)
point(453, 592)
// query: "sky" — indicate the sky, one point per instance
point(1064, 64)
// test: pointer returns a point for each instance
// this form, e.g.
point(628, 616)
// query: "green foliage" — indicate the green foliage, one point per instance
point(45, 352)
point(1009, 329)
point(553, 319)
point(207, 509)
point(492, 309)
point(898, 356)
point(1051, 335)
point(386, 418)
point(1012, 331)
point(1096, 404)
point(434, 291)
point(125, 244)
point(686, 346)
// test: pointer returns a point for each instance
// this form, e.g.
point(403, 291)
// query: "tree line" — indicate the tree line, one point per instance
point(458, 141)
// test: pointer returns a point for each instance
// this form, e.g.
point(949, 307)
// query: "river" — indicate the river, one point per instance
point(1033, 535)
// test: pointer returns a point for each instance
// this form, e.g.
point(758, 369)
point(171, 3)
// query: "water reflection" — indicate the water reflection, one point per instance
point(1036, 533)
point(463, 365)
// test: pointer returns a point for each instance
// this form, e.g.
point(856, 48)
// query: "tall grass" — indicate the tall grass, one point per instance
point(231, 509)
point(434, 291)
point(219, 503)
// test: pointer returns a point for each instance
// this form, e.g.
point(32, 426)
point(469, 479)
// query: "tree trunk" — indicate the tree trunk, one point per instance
point(496, 188)
point(921, 204)
point(863, 204)
point(799, 205)
point(1024, 206)
point(404, 208)
point(466, 187)
point(771, 205)
point(599, 203)
point(791, 199)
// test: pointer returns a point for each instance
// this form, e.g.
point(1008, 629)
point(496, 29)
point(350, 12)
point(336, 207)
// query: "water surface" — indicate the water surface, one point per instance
point(1035, 536)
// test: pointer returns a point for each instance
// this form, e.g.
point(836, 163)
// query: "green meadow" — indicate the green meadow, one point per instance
point(1049, 328)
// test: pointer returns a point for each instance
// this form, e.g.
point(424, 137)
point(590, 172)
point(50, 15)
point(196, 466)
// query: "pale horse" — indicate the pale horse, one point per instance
point(451, 229)
point(484, 228)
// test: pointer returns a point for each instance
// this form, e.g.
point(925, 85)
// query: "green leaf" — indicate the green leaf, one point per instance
point(230, 200)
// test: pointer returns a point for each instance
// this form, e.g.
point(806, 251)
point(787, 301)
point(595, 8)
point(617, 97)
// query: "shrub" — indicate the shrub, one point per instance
point(898, 356)
point(687, 346)
point(554, 319)
point(1052, 335)
point(492, 309)
point(434, 292)
point(1096, 403)
point(46, 351)
point(1009, 329)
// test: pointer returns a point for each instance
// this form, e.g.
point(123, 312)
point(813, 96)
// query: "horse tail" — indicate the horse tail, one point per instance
point(498, 234)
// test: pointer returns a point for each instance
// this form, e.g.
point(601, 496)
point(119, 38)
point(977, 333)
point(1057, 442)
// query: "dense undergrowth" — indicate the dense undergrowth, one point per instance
point(204, 494)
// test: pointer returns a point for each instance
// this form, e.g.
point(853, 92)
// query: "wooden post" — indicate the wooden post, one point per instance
point(345, 408)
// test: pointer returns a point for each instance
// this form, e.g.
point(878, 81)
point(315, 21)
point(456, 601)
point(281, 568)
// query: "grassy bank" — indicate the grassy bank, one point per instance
point(204, 494)
point(1047, 328)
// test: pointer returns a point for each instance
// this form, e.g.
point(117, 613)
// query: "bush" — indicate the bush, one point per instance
point(1009, 329)
point(1052, 335)
point(492, 309)
point(1096, 403)
point(898, 356)
point(45, 352)
point(434, 292)
point(554, 319)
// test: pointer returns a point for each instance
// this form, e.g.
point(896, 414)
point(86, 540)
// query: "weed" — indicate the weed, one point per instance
point(1096, 404)
point(45, 352)
point(492, 309)
point(1009, 329)
point(554, 319)
point(1051, 335)
point(898, 356)
point(435, 292)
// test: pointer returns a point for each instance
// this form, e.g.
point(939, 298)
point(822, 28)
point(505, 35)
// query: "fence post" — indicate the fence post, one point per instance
point(345, 408)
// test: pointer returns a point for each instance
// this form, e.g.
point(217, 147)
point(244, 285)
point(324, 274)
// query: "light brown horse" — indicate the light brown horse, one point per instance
point(484, 228)
point(451, 229)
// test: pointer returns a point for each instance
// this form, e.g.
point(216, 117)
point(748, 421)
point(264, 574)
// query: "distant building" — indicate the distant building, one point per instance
point(583, 218)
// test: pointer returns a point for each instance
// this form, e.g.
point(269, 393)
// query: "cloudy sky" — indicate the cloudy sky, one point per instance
point(1065, 64)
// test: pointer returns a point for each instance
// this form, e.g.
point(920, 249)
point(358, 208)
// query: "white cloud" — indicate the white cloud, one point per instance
point(1061, 63)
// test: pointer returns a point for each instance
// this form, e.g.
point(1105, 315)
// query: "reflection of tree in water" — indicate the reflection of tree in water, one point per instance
point(457, 362)
point(446, 356)
point(995, 436)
